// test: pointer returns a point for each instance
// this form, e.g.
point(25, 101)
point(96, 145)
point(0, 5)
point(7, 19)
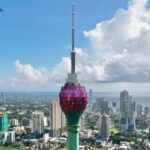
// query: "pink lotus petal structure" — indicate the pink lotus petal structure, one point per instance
point(73, 98)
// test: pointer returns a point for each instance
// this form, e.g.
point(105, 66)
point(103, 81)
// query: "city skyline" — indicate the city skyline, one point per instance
point(36, 40)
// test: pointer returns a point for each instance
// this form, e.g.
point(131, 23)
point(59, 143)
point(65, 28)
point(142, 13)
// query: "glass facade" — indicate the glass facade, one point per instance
point(3, 123)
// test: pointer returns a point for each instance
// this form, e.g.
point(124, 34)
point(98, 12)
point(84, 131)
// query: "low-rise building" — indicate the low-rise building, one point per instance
point(14, 122)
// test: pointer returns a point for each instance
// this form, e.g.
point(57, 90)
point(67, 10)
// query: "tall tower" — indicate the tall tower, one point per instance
point(57, 119)
point(127, 112)
point(37, 122)
point(73, 98)
point(3, 97)
point(103, 126)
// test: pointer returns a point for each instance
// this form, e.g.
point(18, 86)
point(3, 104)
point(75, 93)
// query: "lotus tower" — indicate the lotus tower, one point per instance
point(73, 98)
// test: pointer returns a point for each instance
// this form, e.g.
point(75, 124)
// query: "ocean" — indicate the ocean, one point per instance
point(139, 98)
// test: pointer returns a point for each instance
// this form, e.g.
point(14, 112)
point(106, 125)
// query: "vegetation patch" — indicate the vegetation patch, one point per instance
point(7, 148)
point(114, 131)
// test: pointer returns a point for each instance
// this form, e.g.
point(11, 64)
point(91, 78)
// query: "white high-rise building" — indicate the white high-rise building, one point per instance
point(45, 122)
point(127, 112)
point(37, 122)
point(103, 124)
point(7, 137)
point(57, 119)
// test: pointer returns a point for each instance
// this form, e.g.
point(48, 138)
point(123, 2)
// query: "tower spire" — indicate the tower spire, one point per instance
point(73, 25)
point(73, 40)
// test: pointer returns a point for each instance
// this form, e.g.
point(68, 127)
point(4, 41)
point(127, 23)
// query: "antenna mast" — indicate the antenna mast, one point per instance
point(73, 40)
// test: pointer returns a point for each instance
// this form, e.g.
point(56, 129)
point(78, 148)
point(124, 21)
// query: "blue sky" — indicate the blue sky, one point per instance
point(39, 33)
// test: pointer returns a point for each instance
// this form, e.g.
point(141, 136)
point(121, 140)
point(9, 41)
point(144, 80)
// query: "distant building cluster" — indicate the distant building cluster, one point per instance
point(33, 122)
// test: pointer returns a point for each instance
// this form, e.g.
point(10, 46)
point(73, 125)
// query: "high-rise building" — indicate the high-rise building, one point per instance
point(7, 137)
point(82, 122)
point(139, 109)
point(103, 126)
point(37, 122)
point(3, 100)
point(11, 137)
point(57, 119)
point(146, 111)
point(102, 105)
point(3, 122)
point(127, 112)
point(114, 104)
point(90, 96)
point(90, 100)
point(25, 121)
point(132, 125)
point(45, 122)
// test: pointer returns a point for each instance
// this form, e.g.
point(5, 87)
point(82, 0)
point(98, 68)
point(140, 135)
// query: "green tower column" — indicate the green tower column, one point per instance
point(73, 137)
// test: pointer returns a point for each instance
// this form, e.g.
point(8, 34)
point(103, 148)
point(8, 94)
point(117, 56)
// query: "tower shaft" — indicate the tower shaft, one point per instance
point(73, 61)
point(73, 137)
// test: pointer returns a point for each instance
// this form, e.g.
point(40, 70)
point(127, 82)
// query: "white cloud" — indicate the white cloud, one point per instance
point(119, 52)
point(123, 43)
point(59, 73)
point(126, 25)
point(28, 74)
